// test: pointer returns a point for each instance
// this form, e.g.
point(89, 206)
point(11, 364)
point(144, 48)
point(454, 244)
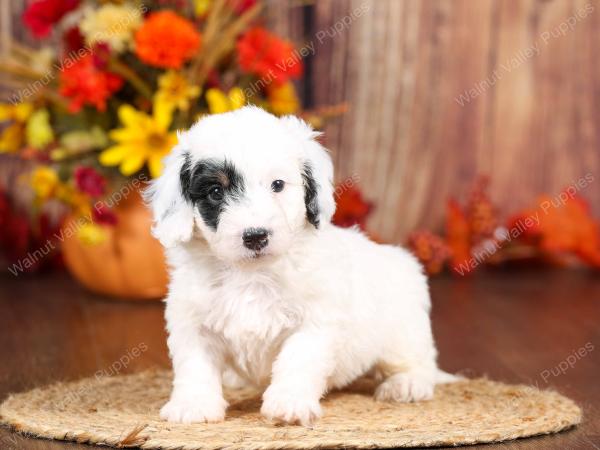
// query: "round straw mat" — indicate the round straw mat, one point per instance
point(122, 411)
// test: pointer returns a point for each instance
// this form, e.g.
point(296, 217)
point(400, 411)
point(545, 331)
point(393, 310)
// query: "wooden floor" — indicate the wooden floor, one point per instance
point(512, 326)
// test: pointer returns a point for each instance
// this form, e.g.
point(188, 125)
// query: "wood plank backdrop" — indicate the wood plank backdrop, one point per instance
point(443, 90)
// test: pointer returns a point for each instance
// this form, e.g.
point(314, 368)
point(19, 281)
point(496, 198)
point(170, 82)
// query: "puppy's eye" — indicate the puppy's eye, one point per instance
point(277, 185)
point(216, 193)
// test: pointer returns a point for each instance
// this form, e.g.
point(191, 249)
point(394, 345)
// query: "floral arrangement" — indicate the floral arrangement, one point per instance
point(104, 108)
point(559, 230)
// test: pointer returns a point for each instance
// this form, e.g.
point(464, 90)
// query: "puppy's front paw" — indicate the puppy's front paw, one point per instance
point(286, 407)
point(405, 387)
point(194, 409)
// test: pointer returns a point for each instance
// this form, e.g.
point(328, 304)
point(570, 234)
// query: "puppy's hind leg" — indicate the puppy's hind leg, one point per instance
point(406, 382)
point(408, 364)
point(410, 382)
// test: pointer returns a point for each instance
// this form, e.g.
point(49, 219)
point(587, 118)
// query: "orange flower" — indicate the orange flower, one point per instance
point(480, 211)
point(431, 250)
point(268, 57)
point(458, 237)
point(85, 82)
point(166, 40)
point(563, 225)
point(470, 227)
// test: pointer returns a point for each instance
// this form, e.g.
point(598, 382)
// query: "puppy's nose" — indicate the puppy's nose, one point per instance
point(255, 238)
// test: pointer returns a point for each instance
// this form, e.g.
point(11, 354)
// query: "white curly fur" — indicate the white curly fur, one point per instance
point(316, 309)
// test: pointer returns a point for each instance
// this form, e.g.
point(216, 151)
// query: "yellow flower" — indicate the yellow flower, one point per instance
point(174, 91)
point(91, 234)
point(219, 102)
point(143, 139)
point(283, 99)
point(17, 113)
point(112, 24)
point(201, 7)
point(44, 182)
point(38, 130)
point(12, 137)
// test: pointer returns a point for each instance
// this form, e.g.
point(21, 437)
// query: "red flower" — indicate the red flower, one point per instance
point(85, 82)
point(42, 14)
point(102, 214)
point(25, 246)
point(267, 56)
point(4, 208)
point(88, 180)
point(73, 40)
point(352, 209)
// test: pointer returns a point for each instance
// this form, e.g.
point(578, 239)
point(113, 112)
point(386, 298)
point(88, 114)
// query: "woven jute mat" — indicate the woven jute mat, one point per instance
point(122, 411)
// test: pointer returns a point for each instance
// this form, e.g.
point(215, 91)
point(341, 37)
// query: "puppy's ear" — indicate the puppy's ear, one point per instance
point(173, 215)
point(317, 172)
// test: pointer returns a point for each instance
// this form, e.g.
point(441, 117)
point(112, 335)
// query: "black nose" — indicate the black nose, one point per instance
point(255, 238)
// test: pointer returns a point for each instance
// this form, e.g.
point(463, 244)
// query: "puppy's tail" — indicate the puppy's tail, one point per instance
point(442, 377)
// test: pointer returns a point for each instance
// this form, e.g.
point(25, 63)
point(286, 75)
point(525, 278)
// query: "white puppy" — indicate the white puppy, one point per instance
point(264, 289)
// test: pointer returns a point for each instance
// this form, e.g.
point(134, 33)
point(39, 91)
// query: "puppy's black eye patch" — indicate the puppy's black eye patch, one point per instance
point(310, 195)
point(210, 185)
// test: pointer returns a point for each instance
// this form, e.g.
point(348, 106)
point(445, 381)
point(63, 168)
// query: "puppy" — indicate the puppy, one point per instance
point(266, 291)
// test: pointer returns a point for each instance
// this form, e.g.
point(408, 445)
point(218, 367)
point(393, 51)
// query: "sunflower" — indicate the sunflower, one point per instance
point(143, 139)
point(175, 91)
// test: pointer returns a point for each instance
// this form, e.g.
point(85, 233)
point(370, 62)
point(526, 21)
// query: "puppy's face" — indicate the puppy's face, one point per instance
point(244, 207)
point(249, 184)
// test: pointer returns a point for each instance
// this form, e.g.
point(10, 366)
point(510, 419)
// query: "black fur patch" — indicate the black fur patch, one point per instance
point(310, 195)
point(198, 181)
point(185, 177)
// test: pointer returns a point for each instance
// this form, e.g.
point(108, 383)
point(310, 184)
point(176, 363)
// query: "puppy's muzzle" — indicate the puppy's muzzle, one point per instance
point(255, 238)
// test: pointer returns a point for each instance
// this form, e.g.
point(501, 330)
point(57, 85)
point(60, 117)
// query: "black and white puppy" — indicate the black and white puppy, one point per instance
point(265, 290)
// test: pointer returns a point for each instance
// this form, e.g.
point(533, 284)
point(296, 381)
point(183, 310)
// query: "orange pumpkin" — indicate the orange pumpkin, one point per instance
point(129, 264)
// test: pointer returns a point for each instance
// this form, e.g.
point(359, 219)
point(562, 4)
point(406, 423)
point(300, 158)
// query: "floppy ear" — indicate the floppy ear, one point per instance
point(317, 172)
point(173, 215)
